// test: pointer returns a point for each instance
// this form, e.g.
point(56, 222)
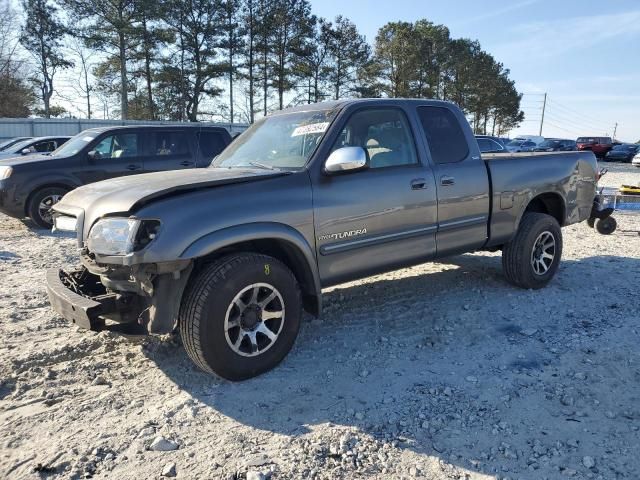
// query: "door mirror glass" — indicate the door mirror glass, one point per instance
point(346, 159)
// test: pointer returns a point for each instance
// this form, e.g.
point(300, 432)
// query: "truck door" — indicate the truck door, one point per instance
point(462, 181)
point(380, 218)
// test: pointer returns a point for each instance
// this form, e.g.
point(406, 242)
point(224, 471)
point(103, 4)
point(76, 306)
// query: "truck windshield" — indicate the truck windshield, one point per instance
point(283, 141)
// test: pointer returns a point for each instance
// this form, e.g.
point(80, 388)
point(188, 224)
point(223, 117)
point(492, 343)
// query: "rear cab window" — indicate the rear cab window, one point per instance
point(445, 138)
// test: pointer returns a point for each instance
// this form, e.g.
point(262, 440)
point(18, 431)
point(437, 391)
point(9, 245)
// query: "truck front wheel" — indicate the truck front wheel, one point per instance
point(240, 315)
point(532, 257)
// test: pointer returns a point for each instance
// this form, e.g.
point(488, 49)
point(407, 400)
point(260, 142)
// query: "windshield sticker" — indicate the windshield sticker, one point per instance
point(311, 128)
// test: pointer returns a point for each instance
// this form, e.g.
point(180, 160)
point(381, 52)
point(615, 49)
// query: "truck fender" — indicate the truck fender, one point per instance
point(305, 267)
point(549, 200)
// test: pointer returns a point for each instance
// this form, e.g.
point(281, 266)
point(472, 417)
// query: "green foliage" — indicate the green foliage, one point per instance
point(233, 59)
point(195, 24)
point(16, 96)
point(42, 37)
point(420, 60)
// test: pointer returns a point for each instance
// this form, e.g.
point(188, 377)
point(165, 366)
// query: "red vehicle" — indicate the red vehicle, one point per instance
point(598, 145)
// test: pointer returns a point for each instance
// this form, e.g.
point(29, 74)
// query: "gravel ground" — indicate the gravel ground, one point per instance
point(437, 371)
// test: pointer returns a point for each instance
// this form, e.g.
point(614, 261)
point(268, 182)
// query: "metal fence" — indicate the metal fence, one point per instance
point(41, 127)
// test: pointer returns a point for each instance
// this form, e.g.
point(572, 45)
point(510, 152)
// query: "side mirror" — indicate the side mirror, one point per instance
point(93, 155)
point(25, 151)
point(346, 159)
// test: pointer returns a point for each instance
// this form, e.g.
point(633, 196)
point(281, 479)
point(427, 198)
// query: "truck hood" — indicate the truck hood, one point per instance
point(126, 194)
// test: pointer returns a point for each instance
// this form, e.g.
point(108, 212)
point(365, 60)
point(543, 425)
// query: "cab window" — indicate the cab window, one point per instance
point(445, 138)
point(383, 133)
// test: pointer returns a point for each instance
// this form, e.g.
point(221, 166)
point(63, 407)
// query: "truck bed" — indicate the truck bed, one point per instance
point(517, 178)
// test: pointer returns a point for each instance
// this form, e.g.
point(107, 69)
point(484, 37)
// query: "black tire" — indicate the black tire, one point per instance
point(518, 255)
point(606, 226)
point(47, 196)
point(209, 298)
point(591, 222)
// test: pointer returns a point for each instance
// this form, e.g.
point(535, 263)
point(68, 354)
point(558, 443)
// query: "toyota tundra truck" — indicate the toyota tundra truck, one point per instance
point(309, 197)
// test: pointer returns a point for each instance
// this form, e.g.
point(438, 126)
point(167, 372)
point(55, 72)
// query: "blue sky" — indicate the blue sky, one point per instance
point(584, 53)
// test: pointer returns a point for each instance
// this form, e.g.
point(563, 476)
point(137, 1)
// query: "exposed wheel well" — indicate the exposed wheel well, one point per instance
point(42, 187)
point(549, 203)
point(284, 251)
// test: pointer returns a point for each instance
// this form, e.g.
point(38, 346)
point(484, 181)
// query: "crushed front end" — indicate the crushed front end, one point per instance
point(97, 296)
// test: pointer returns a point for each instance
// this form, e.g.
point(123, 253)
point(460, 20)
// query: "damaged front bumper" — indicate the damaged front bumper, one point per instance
point(146, 299)
point(80, 297)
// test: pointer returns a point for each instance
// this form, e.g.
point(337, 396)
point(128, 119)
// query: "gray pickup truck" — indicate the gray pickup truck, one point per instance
point(307, 198)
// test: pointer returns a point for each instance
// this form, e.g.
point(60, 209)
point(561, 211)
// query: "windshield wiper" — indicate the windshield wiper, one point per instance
point(263, 166)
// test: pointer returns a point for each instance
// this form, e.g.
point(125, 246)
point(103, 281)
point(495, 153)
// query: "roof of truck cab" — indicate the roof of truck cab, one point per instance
point(339, 104)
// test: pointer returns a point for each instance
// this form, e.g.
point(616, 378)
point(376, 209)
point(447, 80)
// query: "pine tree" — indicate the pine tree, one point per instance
point(42, 38)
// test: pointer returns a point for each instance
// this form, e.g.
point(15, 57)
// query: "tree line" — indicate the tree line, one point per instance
point(234, 60)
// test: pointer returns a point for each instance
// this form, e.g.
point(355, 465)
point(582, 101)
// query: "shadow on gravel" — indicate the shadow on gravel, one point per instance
point(444, 363)
point(5, 255)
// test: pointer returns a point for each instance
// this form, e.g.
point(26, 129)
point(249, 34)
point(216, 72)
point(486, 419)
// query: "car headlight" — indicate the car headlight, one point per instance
point(5, 172)
point(121, 236)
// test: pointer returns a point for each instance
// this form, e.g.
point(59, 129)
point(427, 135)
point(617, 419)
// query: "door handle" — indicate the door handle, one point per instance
point(418, 184)
point(446, 180)
point(133, 167)
point(186, 163)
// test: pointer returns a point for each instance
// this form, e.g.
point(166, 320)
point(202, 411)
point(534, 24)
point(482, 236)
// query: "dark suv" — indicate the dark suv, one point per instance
point(30, 186)
point(556, 145)
point(598, 145)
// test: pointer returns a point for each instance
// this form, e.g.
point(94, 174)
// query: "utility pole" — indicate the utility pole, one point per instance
point(615, 129)
point(544, 107)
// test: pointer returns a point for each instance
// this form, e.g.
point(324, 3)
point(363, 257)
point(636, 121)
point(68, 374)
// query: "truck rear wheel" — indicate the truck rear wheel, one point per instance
point(532, 257)
point(240, 315)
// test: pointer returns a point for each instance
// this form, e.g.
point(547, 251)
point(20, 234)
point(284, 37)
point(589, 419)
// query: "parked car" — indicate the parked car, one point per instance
point(556, 145)
point(307, 198)
point(11, 141)
point(521, 145)
point(33, 146)
point(489, 144)
point(537, 139)
point(623, 153)
point(30, 186)
point(598, 145)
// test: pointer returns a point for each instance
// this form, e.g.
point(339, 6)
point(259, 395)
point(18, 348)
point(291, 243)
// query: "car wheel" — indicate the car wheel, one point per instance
point(240, 315)
point(606, 226)
point(39, 207)
point(532, 257)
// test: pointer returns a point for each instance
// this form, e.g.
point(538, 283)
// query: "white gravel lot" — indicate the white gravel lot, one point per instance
point(438, 371)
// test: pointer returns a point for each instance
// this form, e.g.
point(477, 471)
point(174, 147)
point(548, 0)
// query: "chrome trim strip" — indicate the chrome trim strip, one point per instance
point(453, 224)
point(365, 242)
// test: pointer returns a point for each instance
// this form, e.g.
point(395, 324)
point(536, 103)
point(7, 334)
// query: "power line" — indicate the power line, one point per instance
point(575, 112)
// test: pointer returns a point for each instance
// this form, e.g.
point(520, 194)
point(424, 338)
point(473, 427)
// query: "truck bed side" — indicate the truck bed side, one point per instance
point(561, 184)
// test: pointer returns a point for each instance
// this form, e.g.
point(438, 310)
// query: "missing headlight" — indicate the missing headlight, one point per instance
point(147, 232)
